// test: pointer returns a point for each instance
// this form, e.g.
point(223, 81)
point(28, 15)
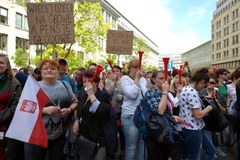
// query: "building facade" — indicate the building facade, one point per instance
point(13, 29)
point(225, 34)
point(14, 32)
point(198, 57)
point(175, 60)
point(112, 15)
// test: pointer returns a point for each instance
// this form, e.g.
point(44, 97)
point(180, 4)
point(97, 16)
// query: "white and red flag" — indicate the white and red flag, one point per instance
point(27, 124)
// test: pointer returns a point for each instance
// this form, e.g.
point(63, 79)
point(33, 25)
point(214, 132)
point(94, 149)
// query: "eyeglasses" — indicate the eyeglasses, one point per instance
point(161, 78)
point(211, 82)
point(225, 74)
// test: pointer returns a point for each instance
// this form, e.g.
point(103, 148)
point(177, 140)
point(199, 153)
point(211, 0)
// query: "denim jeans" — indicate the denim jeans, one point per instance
point(134, 143)
point(194, 139)
point(208, 146)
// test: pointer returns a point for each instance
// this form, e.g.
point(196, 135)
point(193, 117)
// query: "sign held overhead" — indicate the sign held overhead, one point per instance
point(50, 23)
point(119, 42)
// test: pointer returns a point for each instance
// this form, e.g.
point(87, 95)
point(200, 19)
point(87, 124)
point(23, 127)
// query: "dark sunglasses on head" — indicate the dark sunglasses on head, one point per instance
point(225, 74)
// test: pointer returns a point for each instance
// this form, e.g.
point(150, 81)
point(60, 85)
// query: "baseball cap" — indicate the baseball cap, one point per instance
point(62, 61)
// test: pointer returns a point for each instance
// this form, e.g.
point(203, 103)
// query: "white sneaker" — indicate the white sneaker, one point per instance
point(220, 152)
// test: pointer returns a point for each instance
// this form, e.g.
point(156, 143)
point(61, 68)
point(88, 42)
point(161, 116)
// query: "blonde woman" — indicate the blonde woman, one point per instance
point(132, 85)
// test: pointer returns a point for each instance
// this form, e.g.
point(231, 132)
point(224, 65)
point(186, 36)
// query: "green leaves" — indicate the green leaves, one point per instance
point(20, 58)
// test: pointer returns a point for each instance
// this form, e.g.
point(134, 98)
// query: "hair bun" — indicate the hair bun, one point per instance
point(203, 70)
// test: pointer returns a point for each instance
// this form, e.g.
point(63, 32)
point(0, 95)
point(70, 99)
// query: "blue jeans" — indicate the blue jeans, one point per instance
point(134, 144)
point(208, 146)
point(194, 139)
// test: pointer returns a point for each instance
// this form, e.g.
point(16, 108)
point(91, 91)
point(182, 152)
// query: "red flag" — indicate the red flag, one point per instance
point(27, 124)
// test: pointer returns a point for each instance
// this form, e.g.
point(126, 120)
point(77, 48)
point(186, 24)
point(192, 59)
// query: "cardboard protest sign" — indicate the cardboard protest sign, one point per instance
point(50, 23)
point(119, 42)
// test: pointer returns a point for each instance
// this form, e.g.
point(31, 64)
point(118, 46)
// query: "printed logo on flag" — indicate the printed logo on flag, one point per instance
point(28, 106)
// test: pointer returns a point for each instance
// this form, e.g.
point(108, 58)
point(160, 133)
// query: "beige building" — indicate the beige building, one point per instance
point(225, 35)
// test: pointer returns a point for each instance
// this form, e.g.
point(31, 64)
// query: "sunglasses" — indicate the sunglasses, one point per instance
point(212, 82)
point(225, 74)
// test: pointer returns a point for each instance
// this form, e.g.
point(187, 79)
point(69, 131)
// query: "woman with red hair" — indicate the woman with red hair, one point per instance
point(55, 115)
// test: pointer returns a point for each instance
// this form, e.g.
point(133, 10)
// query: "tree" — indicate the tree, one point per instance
point(20, 58)
point(140, 45)
point(90, 28)
point(19, 2)
point(149, 67)
point(74, 61)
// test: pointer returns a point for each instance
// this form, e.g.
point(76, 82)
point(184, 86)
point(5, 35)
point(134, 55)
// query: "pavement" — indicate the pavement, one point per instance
point(229, 156)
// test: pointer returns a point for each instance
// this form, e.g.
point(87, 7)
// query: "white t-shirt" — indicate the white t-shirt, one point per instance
point(189, 99)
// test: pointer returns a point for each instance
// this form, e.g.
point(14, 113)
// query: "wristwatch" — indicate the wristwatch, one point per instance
point(164, 94)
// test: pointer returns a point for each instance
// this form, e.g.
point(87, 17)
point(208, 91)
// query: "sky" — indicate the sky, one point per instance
point(176, 26)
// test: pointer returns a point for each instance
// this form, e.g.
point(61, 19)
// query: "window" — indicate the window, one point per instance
point(108, 17)
point(236, 26)
point(19, 21)
point(22, 43)
point(3, 42)
point(3, 15)
point(233, 52)
point(233, 40)
point(25, 27)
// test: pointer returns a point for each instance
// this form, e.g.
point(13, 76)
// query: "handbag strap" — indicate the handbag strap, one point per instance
point(142, 94)
point(67, 91)
point(81, 108)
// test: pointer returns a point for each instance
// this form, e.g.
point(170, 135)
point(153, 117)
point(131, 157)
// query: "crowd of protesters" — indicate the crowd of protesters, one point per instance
point(94, 120)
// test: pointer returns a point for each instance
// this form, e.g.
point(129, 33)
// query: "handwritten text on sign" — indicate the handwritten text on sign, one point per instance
point(119, 42)
point(50, 23)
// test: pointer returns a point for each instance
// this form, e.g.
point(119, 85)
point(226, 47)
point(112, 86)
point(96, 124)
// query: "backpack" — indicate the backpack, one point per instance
point(216, 121)
point(161, 127)
point(141, 113)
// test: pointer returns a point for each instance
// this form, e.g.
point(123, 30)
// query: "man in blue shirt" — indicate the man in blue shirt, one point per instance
point(64, 75)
